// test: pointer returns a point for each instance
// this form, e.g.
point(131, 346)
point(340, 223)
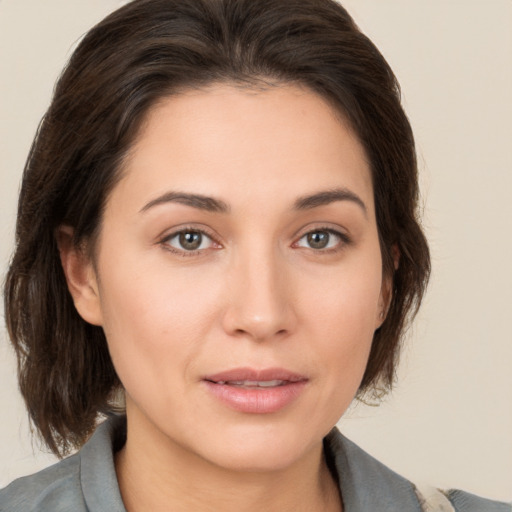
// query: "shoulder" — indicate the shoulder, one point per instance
point(84, 482)
point(367, 484)
point(55, 489)
point(466, 502)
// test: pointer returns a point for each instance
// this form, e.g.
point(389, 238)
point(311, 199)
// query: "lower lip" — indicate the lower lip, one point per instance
point(256, 400)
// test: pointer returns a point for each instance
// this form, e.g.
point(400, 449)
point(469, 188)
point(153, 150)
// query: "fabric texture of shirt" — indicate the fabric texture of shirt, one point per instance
point(86, 481)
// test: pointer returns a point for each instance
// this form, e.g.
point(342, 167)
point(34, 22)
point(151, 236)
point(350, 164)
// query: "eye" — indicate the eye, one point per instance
point(189, 240)
point(321, 239)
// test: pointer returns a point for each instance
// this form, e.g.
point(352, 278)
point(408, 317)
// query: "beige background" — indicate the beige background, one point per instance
point(449, 422)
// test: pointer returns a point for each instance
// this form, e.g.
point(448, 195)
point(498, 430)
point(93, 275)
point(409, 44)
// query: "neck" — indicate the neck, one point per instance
point(156, 474)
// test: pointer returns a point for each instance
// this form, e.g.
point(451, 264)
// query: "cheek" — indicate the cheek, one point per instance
point(346, 303)
point(340, 334)
point(154, 321)
point(342, 312)
point(143, 290)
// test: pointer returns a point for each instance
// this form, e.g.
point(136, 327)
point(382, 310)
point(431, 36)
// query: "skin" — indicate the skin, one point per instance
point(257, 293)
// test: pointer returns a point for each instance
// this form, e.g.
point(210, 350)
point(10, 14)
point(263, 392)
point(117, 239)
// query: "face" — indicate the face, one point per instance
point(238, 274)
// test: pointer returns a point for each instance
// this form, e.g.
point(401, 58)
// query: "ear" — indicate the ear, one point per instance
point(385, 296)
point(80, 276)
point(386, 290)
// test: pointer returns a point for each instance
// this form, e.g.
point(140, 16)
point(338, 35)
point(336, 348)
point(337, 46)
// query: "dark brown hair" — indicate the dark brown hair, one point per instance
point(147, 50)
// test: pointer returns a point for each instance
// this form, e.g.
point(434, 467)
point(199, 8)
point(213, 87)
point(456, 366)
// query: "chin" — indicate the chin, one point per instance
point(261, 460)
point(265, 449)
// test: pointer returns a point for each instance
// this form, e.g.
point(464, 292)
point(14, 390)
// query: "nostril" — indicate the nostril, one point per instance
point(259, 314)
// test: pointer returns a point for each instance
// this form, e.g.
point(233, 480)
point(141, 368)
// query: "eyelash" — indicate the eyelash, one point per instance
point(165, 241)
point(344, 240)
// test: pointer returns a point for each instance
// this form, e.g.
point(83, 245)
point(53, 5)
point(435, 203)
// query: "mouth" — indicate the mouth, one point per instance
point(266, 377)
point(256, 391)
point(251, 384)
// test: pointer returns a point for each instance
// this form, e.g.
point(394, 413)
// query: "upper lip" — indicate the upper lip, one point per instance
point(259, 375)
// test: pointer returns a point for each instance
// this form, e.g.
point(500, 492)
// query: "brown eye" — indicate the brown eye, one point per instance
point(189, 241)
point(318, 239)
point(321, 239)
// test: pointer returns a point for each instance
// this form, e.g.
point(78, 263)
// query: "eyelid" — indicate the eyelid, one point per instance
point(345, 239)
point(164, 239)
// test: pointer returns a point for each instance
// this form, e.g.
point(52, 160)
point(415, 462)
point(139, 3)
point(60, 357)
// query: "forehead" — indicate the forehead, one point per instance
point(226, 140)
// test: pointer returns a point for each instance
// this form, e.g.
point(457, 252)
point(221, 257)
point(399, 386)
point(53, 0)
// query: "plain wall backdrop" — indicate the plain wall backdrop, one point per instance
point(449, 420)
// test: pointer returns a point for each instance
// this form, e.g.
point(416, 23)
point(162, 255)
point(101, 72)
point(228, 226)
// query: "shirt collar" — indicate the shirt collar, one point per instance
point(97, 471)
point(365, 483)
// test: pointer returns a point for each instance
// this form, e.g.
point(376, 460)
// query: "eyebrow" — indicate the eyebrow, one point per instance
point(327, 197)
point(211, 204)
point(198, 201)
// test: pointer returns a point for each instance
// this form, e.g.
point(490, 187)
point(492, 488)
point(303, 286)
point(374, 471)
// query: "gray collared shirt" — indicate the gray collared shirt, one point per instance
point(86, 481)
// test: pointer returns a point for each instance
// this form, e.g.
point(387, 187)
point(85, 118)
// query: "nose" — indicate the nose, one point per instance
point(260, 298)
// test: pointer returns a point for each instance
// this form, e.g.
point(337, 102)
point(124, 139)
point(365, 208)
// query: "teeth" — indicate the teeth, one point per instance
point(254, 383)
point(270, 383)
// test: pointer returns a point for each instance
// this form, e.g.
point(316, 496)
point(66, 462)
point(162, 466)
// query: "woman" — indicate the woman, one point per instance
point(221, 204)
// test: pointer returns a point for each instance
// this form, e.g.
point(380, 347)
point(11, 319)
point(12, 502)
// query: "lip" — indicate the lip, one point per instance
point(226, 387)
